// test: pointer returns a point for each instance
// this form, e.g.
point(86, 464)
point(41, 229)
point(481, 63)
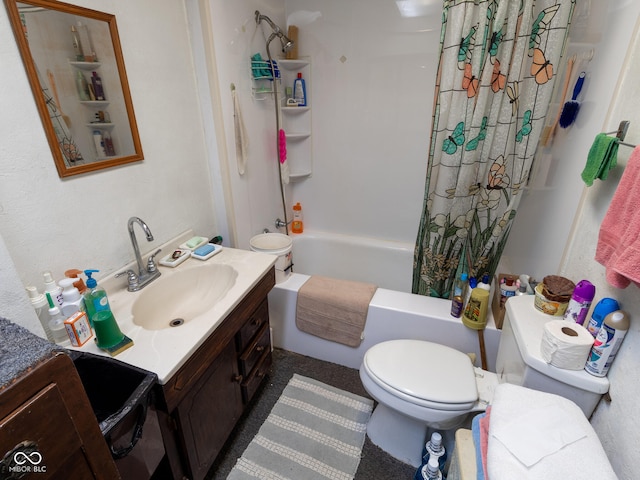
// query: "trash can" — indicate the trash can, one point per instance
point(122, 399)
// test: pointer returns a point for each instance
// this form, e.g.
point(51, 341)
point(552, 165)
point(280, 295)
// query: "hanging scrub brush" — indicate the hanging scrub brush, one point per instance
point(571, 108)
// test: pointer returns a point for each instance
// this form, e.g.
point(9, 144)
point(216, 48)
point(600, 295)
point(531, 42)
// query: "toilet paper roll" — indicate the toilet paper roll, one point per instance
point(565, 344)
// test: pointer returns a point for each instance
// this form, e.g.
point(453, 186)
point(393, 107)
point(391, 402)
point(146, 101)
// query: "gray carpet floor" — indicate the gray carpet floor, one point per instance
point(375, 464)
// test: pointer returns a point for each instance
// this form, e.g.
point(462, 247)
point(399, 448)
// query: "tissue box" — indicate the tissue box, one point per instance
point(496, 307)
point(78, 329)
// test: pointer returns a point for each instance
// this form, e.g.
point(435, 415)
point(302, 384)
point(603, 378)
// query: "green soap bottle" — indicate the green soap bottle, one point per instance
point(95, 298)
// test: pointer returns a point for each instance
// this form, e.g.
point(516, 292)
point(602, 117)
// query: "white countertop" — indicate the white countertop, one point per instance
point(165, 351)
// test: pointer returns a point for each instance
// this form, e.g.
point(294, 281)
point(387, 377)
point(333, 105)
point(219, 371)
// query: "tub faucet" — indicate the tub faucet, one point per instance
point(146, 274)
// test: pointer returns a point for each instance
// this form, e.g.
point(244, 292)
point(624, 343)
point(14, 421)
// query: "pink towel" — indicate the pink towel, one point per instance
point(618, 246)
point(484, 439)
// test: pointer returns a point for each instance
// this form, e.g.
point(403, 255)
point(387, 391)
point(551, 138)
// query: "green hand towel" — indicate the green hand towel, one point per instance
point(602, 157)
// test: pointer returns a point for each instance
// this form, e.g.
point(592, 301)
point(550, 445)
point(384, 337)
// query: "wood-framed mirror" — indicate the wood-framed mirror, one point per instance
point(74, 62)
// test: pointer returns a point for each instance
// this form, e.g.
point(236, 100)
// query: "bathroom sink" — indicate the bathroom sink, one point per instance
point(174, 300)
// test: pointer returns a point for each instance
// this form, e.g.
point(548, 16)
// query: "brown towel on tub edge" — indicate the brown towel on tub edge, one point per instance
point(334, 309)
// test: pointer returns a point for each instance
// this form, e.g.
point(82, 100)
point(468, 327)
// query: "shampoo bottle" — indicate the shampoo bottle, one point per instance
point(300, 91)
point(77, 44)
point(71, 298)
point(82, 87)
point(607, 343)
point(99, 143)
point(95, 298)
point(96, 81)
point(485, 282)
point(473, 283)
point(297, 225)
point(458, 293)
point(88, 52)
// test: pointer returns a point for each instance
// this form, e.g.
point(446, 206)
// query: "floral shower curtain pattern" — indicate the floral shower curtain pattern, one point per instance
point(494, 84)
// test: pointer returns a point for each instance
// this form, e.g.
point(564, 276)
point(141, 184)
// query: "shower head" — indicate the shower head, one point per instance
point(286, 42)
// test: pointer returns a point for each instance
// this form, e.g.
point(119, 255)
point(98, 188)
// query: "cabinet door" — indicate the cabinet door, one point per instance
point(209, 412)
point(48, 411)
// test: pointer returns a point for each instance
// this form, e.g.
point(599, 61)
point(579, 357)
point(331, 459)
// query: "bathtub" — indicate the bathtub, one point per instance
point(393, 313)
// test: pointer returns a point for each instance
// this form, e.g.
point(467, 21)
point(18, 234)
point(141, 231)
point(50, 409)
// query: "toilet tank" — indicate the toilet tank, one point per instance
point(520, 362)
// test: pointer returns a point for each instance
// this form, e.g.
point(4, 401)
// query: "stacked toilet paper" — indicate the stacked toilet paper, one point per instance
point(565, 344)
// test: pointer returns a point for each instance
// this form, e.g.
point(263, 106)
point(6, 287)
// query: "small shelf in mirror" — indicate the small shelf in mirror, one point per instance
point(88, 66)
point(94, 103)
point(295, 109)
point(101, 126)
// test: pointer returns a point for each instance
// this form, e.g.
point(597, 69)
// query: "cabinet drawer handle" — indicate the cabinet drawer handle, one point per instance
point(257, 321)
point(260, 348)
point(237, 378)
point(261, 374)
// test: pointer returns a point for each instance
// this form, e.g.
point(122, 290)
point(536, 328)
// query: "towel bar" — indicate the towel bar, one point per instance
point(621, 133)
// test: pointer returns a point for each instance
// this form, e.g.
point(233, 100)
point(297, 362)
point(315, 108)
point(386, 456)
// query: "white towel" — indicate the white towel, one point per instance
point(547, 432)
point(242, 141)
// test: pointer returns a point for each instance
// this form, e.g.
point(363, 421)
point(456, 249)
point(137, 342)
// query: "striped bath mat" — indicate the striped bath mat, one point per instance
point(314, 431)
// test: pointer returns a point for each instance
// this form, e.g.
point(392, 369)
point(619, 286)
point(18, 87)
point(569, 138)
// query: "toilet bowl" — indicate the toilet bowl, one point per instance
point(421, 385)
point(418, 385)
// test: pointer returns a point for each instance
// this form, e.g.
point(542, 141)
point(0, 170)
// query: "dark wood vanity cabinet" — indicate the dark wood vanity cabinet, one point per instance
point(46, 416)
point(204, 400)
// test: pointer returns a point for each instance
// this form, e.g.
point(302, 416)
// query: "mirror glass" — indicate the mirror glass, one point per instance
point(74, 62)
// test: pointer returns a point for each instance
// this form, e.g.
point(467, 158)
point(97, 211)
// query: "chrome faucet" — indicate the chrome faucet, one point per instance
point(146, 274)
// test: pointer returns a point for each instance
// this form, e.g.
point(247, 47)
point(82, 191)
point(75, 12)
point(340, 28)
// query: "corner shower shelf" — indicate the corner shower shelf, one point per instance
point(296, 177)
point(296, 121)
point(297, 136)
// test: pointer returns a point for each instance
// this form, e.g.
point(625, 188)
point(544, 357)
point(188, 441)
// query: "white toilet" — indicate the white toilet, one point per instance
point(420, 384)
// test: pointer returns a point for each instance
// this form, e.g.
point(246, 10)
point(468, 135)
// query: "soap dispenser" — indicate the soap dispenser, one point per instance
point(71, 298)
point(95, 298)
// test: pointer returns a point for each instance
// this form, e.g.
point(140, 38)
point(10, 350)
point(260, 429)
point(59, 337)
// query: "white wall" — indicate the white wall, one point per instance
point(81, 222)
point(616, 423)
point(542, 225)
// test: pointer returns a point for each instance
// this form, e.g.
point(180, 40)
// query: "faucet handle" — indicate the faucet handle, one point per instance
point(151, 264)
point(132, 278)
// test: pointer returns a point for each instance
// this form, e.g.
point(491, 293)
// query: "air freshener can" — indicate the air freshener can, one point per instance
point(607, 343)
point(580, 302)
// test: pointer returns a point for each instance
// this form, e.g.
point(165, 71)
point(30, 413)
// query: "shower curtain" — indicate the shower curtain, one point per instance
point(494, 84)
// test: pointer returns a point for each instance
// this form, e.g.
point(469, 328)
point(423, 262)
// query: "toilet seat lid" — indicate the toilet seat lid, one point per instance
point(423, 370)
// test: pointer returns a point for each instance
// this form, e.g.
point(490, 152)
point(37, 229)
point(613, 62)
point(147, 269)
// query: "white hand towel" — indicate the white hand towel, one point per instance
point(242, 141)
point(582, 458)
point(539, 433)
